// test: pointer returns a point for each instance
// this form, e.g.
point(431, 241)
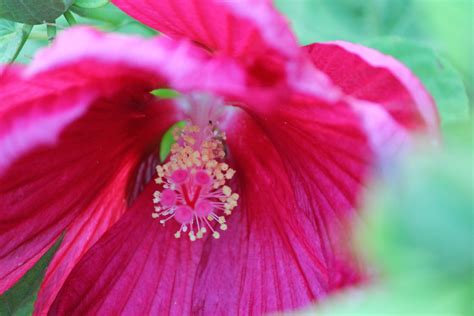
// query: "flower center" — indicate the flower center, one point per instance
point(194, 191)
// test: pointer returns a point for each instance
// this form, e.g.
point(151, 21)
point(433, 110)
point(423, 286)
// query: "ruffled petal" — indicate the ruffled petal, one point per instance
point(179, 64)
point(50, 173)
point(43, 192)
point(98, 73)
point(137, 268)
point(237, 28)
point(368, 75)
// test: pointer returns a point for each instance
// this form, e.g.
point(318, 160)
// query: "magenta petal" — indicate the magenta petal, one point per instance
point(39, 122)
point(299, 170)
point(45, 191)
point(178, 63)
point(54, 170)
point(137, 268)
point(366, 74)
point(80, 236)
point(236, 28)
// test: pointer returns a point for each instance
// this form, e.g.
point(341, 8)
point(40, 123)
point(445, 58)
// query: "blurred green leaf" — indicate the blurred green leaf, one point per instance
point(418, 232)
point(90, 4)
point(450, 24)
point(12, 38)
point(110, 18)
point(168, 140)
point(165, 93)
point(33, 11)
point(352, 20)
point(438, 75)
point(19, 300)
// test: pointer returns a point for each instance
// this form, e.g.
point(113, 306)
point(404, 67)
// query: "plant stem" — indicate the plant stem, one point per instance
point(70, 18)
point(51, 31)
point(26, 33)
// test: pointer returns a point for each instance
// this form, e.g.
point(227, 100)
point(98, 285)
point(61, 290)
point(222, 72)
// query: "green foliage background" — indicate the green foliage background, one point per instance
point(418, 225)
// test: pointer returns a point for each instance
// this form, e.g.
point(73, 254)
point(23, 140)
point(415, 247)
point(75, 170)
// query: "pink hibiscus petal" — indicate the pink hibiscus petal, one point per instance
point(300, 170)
point(81, 235)
point(86, 66)
point(237, 28)
point(371, 76)
point(272, 257)
point(251, 32)
point(180, 64)
point(287, 241)
point(44, 188)
point(137, 268)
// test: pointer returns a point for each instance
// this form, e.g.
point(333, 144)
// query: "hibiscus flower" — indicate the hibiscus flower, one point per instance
point(251, 211)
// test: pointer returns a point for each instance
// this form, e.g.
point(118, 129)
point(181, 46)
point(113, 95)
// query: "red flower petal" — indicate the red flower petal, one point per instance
point(85, 66)
point(179, 64)
point(287, 242)
point(137, 268)
point(277, 254)
point(44, 189)
point(81, 235)
point(238, 28)
point(300, 169)
point(368, 75)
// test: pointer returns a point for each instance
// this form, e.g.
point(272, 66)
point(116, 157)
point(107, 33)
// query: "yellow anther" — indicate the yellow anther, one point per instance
point(226, 190)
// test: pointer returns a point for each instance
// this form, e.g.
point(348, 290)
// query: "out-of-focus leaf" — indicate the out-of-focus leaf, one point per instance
point(428, 210)
point(109, 14)
point(451, 25)
point(418, 230)
point(90, 4)
point(12, 38)
point(33, 11)
point(19, 300)
point(110, 18)
point(352, 20)
point(439, 76)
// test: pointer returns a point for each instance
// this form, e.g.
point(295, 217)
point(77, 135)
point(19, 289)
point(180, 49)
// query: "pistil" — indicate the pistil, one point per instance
point(194, 191)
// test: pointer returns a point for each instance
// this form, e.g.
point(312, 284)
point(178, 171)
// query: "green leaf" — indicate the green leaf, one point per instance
point(110, 18)
point(424, 212)
point(418, 229)
point(33, 11)
point(19, 300)
point(12, 38)
point(90, 4)
point(168, 140)
point(352, 20)
point(165, 93)
point(449, 23)
point(437, 74)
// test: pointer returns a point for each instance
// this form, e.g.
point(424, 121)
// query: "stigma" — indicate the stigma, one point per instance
point(194, 181)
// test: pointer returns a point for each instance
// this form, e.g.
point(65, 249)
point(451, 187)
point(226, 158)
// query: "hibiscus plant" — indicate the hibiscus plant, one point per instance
point(216, 168)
